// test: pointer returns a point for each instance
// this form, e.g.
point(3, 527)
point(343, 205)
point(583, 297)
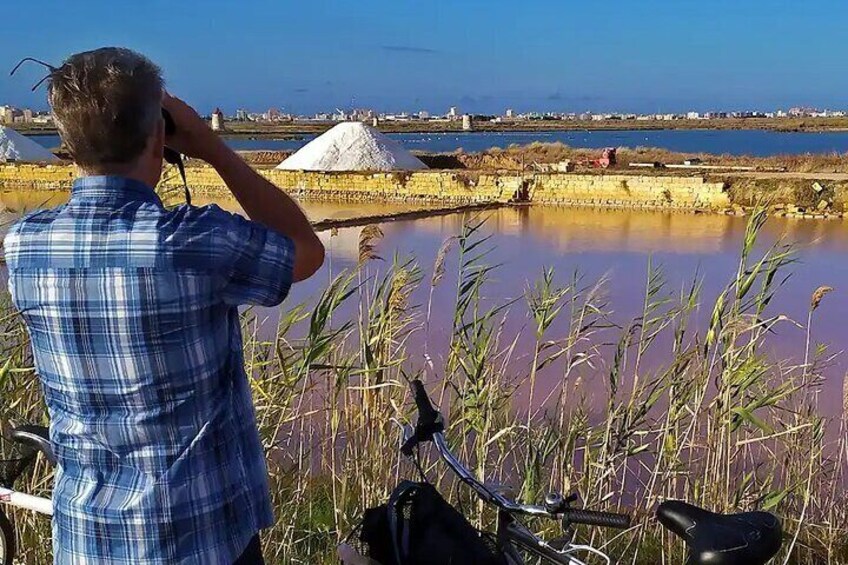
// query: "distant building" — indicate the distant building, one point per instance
point(693, 116)
point(241, 115)
point(466, 122)
point(801, 112)
point(453, 112)
point(361, 114)
point(510, 113)
point(7, 114)
point(44, 119)
point(217, 120)
point(27, 113)
point(423, 115)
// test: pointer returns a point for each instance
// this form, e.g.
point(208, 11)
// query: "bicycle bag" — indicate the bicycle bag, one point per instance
point(418, 526)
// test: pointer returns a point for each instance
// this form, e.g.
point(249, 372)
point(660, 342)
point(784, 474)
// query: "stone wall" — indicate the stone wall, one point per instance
point(455, 187)
point(440, 186)
point(41, 177)
point(628, 191)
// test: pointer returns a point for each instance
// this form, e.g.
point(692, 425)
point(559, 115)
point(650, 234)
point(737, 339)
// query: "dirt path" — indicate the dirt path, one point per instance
point(323, 225)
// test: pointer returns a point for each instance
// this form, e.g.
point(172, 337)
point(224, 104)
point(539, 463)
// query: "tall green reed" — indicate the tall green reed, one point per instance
point(711, 418)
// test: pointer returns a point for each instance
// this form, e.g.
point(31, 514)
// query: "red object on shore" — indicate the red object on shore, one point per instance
point(607, 159)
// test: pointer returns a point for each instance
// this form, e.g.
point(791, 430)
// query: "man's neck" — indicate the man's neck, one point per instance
point(129, 172)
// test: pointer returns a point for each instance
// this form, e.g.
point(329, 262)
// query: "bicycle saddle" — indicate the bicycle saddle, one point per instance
point(749, 538)
point(35, 437)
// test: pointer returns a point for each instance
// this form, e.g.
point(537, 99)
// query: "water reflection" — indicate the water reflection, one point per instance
point(618, 244)
point(18, 201)
point(615, 243)
point(582, 230)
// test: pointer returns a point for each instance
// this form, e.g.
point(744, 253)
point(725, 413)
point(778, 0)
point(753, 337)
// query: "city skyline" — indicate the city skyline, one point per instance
point(654, 56)
point(11, 115)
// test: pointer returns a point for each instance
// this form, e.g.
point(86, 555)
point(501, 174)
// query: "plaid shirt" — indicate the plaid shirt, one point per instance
point(131, 309)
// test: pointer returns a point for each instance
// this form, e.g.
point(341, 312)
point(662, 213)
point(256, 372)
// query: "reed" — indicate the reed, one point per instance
point(716, 422)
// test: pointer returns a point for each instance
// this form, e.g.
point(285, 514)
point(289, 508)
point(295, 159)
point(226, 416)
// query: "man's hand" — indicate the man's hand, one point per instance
point(262, 201)
point(193, 135)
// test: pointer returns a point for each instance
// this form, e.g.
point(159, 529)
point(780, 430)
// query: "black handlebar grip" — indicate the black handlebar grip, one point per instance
point(426, 413)
point(594, 518)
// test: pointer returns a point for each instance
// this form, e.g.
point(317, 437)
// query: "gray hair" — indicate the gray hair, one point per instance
point(106, 104)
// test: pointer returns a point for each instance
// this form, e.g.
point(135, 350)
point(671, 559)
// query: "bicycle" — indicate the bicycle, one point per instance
point(750, 538)
point(29, 441)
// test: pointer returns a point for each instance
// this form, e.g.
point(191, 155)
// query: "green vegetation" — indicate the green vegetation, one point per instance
point(528, 157)
point(716, 422)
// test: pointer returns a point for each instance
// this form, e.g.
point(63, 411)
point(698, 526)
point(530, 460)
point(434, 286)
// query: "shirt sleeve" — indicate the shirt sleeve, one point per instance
point(261, 266)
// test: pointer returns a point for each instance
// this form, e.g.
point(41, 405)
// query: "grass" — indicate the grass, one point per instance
point(716, 422)
point(532, 155)
point(538, 154)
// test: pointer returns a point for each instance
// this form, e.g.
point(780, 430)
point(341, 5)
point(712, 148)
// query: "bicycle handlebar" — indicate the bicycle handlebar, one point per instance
point(430, 427)
point(596, 518)
point(426, 412)
point(430, 421)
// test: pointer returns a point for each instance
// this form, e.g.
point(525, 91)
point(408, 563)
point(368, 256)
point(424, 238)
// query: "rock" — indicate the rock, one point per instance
point(823, 205)
point(817, 186)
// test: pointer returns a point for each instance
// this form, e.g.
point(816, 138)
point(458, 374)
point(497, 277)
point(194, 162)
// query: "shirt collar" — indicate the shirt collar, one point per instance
point(113, 188)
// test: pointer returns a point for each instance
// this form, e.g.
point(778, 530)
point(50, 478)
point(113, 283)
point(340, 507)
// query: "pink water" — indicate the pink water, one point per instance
point(617, 244)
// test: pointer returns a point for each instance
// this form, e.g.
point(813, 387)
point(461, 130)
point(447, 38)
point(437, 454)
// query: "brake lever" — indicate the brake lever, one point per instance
point(407, 432)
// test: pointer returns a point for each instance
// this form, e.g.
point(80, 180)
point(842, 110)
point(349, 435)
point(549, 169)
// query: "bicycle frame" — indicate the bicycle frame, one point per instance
point(26, 501)
point(510, 532)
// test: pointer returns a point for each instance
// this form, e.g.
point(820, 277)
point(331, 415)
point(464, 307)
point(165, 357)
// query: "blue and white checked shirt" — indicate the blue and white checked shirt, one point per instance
point(132, 313)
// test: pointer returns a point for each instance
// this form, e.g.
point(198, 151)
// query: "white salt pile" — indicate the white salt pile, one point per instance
point(352, 146)
point(16, 147)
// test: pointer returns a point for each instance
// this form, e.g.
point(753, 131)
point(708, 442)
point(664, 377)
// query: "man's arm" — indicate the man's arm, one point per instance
point(262, 201)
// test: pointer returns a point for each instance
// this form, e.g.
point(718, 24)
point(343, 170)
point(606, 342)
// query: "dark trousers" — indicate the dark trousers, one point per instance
point(252, 554)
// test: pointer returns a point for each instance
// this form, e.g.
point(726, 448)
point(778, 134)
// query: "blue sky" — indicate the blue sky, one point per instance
point(485, 56)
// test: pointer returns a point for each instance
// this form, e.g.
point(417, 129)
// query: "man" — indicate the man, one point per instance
point(132, 313)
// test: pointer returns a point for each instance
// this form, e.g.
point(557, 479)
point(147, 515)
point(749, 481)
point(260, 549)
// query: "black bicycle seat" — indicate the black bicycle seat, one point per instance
point(35, 437)
point(749, 538)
